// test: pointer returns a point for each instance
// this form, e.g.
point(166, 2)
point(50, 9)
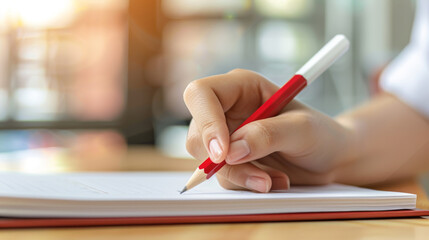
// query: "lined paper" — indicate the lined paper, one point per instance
point(157, 194)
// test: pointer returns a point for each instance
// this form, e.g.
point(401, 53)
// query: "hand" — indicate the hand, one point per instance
point(298, 146)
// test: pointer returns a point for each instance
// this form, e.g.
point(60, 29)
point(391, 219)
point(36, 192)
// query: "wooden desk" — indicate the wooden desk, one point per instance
point(139, 159)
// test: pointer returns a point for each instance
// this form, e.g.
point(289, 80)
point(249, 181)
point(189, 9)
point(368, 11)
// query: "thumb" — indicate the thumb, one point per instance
point(286, 133)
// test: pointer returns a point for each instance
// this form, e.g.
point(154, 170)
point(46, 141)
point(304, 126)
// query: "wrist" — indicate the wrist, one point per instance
point(350, 149)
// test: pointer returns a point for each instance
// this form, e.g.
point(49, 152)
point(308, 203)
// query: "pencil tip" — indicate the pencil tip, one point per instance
point(184, 190)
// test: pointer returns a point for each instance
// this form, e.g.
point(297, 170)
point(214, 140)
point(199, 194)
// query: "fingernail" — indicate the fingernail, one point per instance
point(237, 150)
point(257, 183)
point(215, 150)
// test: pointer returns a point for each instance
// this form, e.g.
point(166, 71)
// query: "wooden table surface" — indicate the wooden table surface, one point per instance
point(148, 159)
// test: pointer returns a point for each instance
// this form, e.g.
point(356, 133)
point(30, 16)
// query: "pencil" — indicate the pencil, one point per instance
point(323, 59)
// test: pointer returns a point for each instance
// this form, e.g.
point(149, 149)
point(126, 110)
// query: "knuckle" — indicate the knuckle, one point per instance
point(191, 90)
point(307, 121)
point(239, 71)
point(208, 126)
point(250, 76)
point(244, 73)
point(265, 133)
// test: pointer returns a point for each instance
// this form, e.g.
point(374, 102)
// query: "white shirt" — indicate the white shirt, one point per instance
point(407, 76)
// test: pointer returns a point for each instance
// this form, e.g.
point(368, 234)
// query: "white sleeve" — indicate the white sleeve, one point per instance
point(407, 76)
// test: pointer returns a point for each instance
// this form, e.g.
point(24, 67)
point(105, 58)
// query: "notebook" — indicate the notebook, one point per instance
point(153, 197)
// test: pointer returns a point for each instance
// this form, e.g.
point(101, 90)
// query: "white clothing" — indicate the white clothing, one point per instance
point(407, 76)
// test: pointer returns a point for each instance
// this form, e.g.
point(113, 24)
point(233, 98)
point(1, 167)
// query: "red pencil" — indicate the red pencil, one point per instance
point(324, 58)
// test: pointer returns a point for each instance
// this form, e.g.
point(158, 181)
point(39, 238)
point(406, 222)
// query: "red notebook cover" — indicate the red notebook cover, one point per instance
point(279, 217)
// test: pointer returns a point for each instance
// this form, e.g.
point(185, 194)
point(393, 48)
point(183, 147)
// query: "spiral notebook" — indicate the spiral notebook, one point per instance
point(76, 199)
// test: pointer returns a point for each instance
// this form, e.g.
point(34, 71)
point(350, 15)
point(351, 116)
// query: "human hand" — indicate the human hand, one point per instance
point(298, 146)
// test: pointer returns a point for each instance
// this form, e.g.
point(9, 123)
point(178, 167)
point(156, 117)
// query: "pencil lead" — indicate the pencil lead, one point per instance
point(184, 190)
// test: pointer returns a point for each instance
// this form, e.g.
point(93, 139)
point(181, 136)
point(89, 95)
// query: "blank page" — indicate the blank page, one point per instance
point(150, 193)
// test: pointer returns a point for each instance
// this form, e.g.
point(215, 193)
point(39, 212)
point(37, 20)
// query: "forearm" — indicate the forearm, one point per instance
point(390, 142)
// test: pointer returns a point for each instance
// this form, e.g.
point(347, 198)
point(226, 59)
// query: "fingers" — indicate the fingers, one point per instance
point(209, 118)
point(279, 180)
point(258, 178)
point(291, 133)
point(245, 176)
point(238, 93)
point(248, 176)
point(296, 174)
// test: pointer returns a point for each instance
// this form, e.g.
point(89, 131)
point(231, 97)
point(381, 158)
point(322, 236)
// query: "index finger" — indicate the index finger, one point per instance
point(239, 92)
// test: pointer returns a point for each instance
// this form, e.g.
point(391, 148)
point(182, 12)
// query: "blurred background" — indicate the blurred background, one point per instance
point(87, 79)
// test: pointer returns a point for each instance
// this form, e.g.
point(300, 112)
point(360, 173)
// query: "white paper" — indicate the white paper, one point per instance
point(157, 194)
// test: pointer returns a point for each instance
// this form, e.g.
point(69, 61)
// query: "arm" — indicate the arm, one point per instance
point(391, 141)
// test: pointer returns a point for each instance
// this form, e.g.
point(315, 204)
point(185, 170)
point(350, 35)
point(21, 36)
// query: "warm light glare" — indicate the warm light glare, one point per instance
point(43, 13)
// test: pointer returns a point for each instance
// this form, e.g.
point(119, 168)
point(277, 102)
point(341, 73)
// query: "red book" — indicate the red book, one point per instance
point(279, 217)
